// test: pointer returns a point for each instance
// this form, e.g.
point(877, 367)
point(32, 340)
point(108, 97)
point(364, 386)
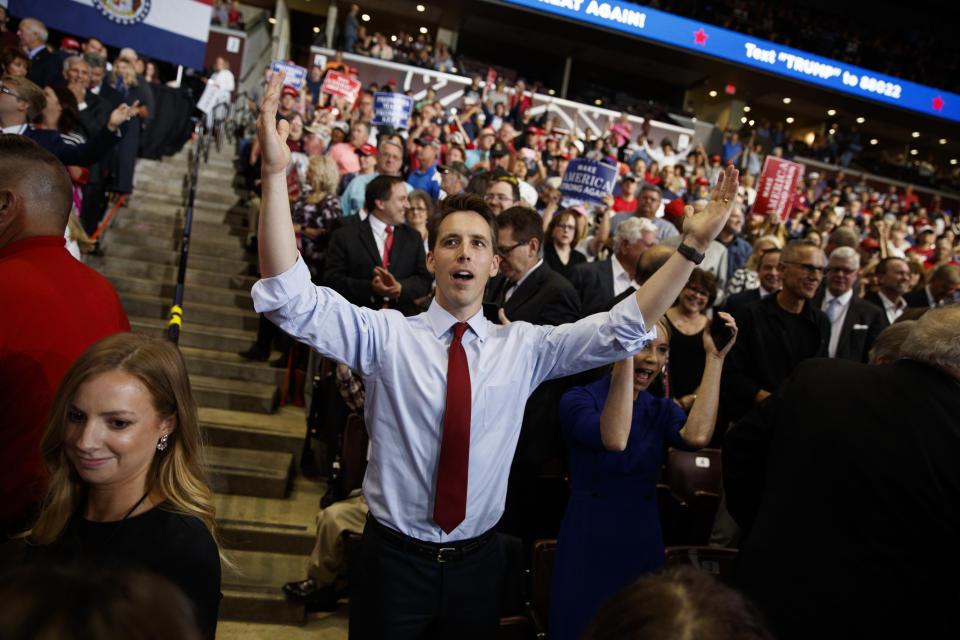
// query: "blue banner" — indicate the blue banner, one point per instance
point(171, 30)
point(296, 75)
point(588, 180)
point(710, 40)
point(392, 109)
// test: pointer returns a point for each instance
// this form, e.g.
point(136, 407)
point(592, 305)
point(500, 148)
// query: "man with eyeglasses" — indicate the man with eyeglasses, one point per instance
point(854, 323)
point(777, 332)
point(528, 290)
point(502, 193)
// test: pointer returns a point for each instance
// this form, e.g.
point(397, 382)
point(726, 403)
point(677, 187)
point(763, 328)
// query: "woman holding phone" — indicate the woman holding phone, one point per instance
point(615, 431)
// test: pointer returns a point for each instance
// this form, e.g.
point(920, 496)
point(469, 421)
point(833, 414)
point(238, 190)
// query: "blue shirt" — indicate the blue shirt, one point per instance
point(426, 180)
point(403, 363)
point(730, 150)
point(356, 192)
point(738, 252)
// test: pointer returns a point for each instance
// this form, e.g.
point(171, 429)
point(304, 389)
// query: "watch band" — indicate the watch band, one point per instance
point(690, 253)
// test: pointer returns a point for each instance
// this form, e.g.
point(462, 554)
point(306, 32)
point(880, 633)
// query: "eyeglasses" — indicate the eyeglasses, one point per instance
point(3, 89)
point(505, 250)
point(809, 269)
point(497, 196)
point(566, 227)
point(842, 270)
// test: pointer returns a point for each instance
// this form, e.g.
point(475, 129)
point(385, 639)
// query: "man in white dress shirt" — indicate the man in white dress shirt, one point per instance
point(419, 572)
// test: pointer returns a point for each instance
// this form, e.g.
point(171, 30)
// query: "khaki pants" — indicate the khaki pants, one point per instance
point(327, 562)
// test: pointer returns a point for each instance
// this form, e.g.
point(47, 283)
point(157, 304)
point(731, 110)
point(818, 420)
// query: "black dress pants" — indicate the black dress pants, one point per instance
point(399, 590)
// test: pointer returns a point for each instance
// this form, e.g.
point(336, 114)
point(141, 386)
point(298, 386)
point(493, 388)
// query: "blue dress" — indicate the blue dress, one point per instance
point(611, 529)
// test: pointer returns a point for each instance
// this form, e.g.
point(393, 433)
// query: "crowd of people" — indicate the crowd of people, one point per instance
point(88, 110)
point(491, 330)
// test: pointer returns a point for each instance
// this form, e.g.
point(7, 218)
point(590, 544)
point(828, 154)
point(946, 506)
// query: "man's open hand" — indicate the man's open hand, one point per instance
point(703, 227)
point(272, 135)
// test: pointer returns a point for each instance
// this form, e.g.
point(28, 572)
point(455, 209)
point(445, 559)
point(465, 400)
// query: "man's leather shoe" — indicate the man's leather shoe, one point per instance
point(254, 353)
point(312, 595)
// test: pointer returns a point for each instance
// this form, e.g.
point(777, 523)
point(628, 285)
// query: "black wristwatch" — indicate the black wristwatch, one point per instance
point(690, 253)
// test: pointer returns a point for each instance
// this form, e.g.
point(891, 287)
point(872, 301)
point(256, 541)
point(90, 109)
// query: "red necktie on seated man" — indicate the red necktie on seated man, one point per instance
point(450, 500)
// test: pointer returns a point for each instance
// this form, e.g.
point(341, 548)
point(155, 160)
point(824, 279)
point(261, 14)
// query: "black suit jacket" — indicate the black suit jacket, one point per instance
point(917, 299)
point(545, 297)
point(111, 95)
point(847, 485)
point(97, 113)
point(861, 326)
point(84, 154)
point(45, 69)
point(352, 255)
point(594, 284)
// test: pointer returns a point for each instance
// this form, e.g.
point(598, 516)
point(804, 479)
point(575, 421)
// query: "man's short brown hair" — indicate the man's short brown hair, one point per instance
point(27, 91)
point(461, 202)
point(526, 224)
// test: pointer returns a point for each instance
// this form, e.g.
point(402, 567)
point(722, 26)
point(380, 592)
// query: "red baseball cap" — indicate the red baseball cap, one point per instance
point(367, 150)
point(674, 208)
point(289, 90)
point(392, 81)
point(69, 43)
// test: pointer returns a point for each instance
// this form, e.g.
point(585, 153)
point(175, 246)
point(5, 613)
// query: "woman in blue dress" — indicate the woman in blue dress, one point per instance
point(615, 431)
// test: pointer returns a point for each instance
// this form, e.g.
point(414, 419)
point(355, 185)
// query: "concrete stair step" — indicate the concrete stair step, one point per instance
point(265, 474)
point(165, 240)
point(232, 266)
point(215, 175)
point(192, 292)
point(263, 524)
point(174, 187)
point(280, 431)
point(194, 313)
point(238, 395)
point(223, 364)
point(195, 335)
point(251, 590)
point(117, 267)
point(152, 197)
point(171, 226)
point(217, 219)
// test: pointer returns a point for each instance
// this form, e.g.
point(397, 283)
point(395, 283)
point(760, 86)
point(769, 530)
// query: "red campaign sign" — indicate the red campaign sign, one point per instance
point(338, 84)
point(293, 182)
point(491, 76)
point(777, 187)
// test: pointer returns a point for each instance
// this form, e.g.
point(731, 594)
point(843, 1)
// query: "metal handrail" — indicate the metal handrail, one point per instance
point(176, 310)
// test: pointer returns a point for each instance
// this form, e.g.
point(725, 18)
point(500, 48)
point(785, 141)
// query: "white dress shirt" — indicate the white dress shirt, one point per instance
point(836, 325)
point(403, 363)
point(621, 279)
point(892, 310)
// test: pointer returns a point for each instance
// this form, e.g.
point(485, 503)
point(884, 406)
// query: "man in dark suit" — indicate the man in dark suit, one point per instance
point(94, 110)
point(854, 323)
point(893, 278)
point(21, 101)
point(44, 64)
point(768, 273)
point(379, 262)
point(940, 290)
point(527, 290)
point(98, 74)
point(599, 283)
point(845, 481)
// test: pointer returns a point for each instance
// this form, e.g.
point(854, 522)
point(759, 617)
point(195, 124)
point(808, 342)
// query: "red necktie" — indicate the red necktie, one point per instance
point(450, 504)
point(387, 245)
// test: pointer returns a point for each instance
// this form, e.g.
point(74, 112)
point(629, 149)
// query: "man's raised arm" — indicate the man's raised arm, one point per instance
point(276, 239)
point(663, 287)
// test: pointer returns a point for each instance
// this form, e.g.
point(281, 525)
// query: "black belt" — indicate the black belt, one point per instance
point(439, 551)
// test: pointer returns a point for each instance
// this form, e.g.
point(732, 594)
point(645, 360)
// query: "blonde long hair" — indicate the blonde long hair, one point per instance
point(176, 474)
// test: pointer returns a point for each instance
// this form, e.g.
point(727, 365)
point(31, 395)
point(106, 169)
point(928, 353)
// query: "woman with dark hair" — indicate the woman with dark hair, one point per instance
point(678, 603)
point(688, 321)
point(616, 432)
point(561, 236)
point(127, 487)
point(14, 61)
point(61, 114)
